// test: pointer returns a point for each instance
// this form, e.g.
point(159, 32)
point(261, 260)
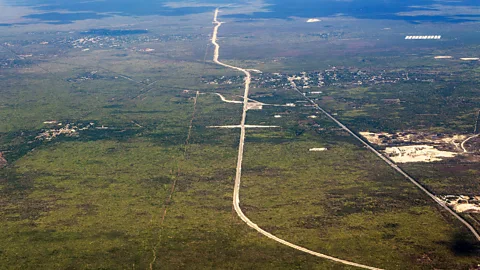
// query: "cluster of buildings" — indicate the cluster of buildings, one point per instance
point(68, 130)
point(50, 134)
point(331, 77)
point(335, 76)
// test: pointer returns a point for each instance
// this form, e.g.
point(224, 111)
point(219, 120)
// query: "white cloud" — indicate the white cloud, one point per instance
point(442, 10)
point(13, 14)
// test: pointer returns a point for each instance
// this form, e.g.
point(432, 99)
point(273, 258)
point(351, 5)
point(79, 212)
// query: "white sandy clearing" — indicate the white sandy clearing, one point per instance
point(317, 149)
point(466, 207)
point(374, 138)
point(417, 153)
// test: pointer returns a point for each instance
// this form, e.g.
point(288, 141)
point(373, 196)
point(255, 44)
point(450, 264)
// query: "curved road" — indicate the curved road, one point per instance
point(468, 139)
point(228, 101)
point(238, 175)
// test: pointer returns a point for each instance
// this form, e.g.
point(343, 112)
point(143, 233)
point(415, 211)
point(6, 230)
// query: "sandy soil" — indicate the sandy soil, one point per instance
point(466, 140)
point(417, 153)
point(466, 208)
point(373, 137)
point(387, 139)
point(462, 203)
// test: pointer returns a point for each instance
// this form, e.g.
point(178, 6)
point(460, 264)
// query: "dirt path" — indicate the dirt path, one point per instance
point(162, 220)
point(174, 184)
point(238, 175)
point(475, 131)
point(228, 101)
point(187, 141)
point(249, 99)
point(466, 140)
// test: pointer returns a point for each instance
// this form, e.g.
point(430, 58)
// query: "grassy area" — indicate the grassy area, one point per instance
point(347, 203)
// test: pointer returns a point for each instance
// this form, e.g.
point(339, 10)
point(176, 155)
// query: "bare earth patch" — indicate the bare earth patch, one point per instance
point(401, 138)
point(402, 147)
point(417, 153)
point(318, 149)
point(462, 203)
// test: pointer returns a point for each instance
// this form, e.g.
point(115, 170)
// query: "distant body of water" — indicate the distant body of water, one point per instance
point(407, 10)
point(68, 11)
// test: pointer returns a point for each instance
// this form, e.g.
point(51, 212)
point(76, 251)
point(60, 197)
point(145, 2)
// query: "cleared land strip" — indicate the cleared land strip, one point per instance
point(238, 174)
point(390, 163)
point(172, 190)
point(475, 131)
point(187, 141)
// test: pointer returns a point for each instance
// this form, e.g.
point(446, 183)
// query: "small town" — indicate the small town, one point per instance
point(335, 76)
point(68, 130)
